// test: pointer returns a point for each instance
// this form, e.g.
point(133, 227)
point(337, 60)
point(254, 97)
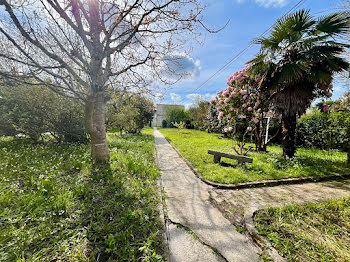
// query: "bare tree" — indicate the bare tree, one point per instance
point(80, 48)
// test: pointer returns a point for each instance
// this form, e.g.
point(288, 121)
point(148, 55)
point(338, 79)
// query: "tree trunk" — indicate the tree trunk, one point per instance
point(347, 145)
point(289, 124)
point(96, 117)
point(258, 138)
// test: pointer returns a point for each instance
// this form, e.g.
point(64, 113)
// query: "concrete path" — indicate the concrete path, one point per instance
point(238, 204)
point(188, 206)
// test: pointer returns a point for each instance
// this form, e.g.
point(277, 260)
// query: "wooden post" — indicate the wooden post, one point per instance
point(267, 130)
point(217, 159)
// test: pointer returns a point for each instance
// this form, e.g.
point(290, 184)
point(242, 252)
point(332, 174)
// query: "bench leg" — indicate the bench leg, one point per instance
point(241, 164)
point(217, 159)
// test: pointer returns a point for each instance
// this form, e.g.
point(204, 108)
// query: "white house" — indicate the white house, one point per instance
point(160, 113)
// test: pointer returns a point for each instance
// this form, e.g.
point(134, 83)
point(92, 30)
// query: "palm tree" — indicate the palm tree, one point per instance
point(297, 63)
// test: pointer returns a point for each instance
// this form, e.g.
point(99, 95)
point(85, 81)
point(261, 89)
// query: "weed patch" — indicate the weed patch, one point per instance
point(310, 232)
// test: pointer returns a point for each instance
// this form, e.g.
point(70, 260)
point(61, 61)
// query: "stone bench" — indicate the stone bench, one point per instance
point(218, 155)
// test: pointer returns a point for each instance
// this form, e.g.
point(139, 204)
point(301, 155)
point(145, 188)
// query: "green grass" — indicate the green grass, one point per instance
point(310, 232)
point(194, 145)
point(52, 208)
point(147, 130)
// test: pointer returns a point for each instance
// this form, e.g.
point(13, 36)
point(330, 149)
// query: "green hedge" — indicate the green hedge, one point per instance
point(323, 130)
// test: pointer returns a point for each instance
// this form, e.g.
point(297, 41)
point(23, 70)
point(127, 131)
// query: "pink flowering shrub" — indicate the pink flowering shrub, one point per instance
point(240, 99)
point(328, 93)
point(325, 108)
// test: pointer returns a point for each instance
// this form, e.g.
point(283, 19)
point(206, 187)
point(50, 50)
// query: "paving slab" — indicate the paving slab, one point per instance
point(243, 202)
point(185, 248)
point(187, 202)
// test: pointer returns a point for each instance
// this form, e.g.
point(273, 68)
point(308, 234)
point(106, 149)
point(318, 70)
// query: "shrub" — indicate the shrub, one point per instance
point(323, 130)
point(199, 115)
point(214, 124)
point(164, 123)
point(70, 125)
point(180, 126)
point(243, 98)
point(34, 110)
point(175, 114)
point(6, 128)
point(129, 113)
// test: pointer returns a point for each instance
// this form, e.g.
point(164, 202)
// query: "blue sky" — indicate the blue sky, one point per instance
point(248, 19)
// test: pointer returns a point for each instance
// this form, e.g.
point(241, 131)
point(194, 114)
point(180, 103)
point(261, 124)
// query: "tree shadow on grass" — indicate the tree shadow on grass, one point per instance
point(66, 211)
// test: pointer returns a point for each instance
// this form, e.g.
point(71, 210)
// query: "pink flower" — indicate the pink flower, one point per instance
point(211, 101)
point(329, 94)
point(245, 97)
point(219, 118)
point(259, 110)
point(230, 129)
point(221, 114)
point(220, 102)
point(325, 108)
point(233, 94)
point(257, 103)
point(251, 95)
point(218, 109)
point(250, 109)
point(227, 100)
point(243, 92)
point(225, 130)
point(255, 120)
point(231, 109)
point(244, 105)
point(249, 128)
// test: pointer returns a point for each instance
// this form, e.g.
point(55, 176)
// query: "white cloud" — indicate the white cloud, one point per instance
point(180, 66)
point(338, 88)
point(267, 3)
point(197, 98)
point(175, 97)
point(159, 97)
point(200, 97)
point(188, 106)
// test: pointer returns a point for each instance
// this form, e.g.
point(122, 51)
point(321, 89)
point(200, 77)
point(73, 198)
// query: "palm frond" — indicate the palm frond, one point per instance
point(334, 24)
point(293, 71)
point(337, 64)
point(307, 42)
point(300, 21)
point(260, 57)
point(320, 76)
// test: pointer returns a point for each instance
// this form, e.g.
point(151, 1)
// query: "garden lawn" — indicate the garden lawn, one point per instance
point(147, 130)
point(310, 232)
point(194, 145)
point(54, 208)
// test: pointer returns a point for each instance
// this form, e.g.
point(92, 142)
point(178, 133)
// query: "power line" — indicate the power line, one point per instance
point(301, 2)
